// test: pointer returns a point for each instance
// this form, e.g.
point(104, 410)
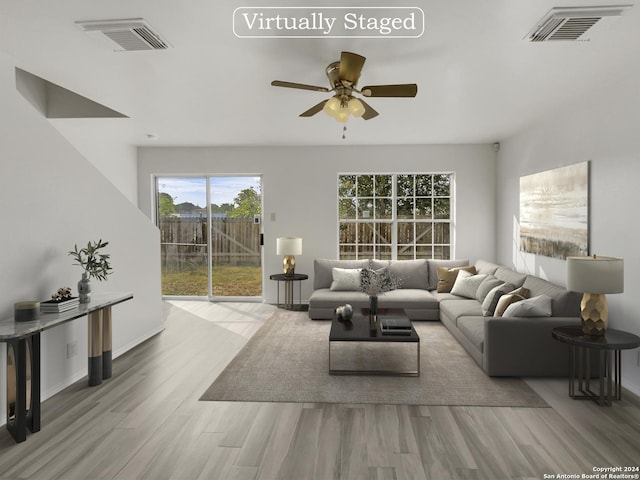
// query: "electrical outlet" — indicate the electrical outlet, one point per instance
point(72, 349)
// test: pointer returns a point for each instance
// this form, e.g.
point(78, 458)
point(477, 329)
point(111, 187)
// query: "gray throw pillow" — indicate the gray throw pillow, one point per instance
point(491, 300)
point(489, 283)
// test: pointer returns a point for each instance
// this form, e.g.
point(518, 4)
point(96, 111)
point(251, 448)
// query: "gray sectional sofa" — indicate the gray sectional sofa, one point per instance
point(502, 346)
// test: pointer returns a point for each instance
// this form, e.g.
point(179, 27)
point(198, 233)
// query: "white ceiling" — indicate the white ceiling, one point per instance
point(478, 80)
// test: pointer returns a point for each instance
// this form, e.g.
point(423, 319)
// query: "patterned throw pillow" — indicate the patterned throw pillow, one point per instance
point(345, 279)
point(375, 282)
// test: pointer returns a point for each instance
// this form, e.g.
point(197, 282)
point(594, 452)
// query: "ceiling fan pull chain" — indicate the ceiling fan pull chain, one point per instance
point(344, 129)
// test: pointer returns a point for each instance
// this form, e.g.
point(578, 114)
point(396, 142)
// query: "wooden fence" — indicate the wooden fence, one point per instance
point(183, 240)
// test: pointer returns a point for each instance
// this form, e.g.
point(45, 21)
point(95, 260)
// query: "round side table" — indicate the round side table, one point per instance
point(608, 348)
point(288, 288)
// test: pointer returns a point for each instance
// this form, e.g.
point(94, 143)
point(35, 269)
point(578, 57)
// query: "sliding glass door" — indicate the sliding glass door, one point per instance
point(210, 251)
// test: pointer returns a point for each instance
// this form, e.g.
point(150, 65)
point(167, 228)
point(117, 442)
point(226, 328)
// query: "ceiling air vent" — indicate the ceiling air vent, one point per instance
point(126, 35)
point(574, 23)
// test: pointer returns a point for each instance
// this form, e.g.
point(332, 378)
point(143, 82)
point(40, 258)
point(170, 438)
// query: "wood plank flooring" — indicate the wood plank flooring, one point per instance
point(147, 423)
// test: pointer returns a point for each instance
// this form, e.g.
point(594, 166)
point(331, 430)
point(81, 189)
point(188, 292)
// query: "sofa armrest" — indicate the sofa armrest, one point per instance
point(525, 347)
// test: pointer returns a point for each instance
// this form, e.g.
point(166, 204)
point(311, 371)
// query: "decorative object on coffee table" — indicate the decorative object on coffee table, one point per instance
point(344, 312)
point(95, 265)
point(374, 283)
point(595, 276)
point(289, 246)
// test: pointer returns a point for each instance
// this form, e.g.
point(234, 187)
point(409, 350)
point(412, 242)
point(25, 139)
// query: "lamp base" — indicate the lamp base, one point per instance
point(289, 265)
point(595, 314)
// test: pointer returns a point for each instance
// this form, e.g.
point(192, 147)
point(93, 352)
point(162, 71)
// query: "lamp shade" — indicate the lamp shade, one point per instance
point(595, 274)
point(289, 246)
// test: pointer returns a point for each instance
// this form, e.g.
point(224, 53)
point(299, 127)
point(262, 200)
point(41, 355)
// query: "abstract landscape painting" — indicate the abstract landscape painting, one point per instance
point(554, 212)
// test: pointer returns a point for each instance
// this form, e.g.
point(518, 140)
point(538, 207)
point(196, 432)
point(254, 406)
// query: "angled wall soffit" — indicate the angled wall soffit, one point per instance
point(54, 101)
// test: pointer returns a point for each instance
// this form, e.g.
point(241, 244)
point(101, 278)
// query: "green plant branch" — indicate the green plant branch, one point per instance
point(96, 265)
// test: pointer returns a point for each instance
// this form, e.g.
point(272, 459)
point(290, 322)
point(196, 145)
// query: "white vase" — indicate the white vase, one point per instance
point(84, 289)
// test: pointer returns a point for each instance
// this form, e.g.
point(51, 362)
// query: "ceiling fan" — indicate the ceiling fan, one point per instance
point(343, 78)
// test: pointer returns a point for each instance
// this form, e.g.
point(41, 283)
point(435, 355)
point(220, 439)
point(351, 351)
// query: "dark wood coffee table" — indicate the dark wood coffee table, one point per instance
point(357, 330)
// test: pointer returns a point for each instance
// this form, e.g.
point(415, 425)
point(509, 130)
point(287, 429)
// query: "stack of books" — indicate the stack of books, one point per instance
point(395, 326)
point(51, 306)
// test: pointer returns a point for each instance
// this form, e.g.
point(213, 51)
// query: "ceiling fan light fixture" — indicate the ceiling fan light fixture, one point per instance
point(342, 107)
point(355, 107)
point(332, 106)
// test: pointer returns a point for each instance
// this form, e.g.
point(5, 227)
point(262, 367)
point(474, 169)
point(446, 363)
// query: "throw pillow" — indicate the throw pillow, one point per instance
point(505, 301)
point(539, 306)
point(447, 277)
point(488, 284)
point(521, 291)
point(466, 284)
point(375, 282)
point(346, 279)
point(490, 302)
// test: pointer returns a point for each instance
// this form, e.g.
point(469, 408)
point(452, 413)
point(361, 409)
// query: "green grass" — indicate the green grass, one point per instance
point(228, 281)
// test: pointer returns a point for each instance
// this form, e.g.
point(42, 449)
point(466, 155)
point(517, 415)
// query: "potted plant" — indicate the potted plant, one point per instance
point(95, 265)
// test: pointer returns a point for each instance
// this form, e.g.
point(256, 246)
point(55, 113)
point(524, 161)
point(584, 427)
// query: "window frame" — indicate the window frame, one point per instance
point(350, 199)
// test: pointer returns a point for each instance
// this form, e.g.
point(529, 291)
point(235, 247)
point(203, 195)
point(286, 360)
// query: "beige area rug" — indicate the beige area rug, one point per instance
point(287, 361)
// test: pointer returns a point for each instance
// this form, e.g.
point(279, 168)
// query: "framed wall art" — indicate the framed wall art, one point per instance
point(554, 212)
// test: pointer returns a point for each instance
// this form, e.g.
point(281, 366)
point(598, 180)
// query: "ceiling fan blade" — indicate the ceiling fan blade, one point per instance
point(350, 67)
point(313, 110)
point(404, 90)
point(302, 86)
point(368, 111)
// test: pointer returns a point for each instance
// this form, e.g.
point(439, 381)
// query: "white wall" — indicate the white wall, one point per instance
point(604, 131)
point(300, 188)
point(52, 197)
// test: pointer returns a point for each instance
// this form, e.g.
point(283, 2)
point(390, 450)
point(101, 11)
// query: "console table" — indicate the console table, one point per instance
point(609, 375)
point(288, 288)
point(23, 357)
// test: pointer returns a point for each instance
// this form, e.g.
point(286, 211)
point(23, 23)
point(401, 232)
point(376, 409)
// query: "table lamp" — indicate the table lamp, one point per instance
point(595, 276)
point(289, 246)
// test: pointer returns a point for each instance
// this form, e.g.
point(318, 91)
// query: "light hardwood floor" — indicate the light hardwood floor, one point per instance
point(147, 423)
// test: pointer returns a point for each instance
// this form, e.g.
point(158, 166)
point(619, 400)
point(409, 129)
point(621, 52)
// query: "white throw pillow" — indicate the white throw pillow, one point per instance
point(467, 284)
point(345, 279)
point(539, 306)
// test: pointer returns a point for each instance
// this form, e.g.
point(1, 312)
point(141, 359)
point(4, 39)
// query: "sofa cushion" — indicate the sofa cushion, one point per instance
point(510, 276)
point(473, 329)
point(345, 279)
point(539, 306)
point(564, 303)
point(322, 274)
point(490, 302)
point(412, 298)
point(325, 298)
point(489, 268)
point(447, 277)
point(435, 264)
point(466, 284)
point(460, 307)
point(410, 273)
point(488, 284)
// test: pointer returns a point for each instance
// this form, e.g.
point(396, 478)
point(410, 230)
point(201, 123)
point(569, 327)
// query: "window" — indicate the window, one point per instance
point(396, 216)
